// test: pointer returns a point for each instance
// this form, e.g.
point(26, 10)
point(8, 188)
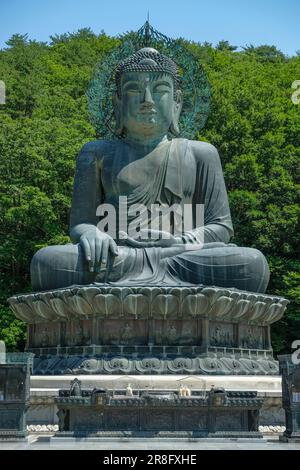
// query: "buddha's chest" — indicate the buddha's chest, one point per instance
point(123, 174)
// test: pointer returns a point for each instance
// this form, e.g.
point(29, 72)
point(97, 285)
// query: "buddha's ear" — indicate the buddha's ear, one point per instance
point(177, 107)
point(117, 105)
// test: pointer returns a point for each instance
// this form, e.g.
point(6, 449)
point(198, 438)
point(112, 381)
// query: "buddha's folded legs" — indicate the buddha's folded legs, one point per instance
point(59, 266)
point(225, 266)
point(228, 266)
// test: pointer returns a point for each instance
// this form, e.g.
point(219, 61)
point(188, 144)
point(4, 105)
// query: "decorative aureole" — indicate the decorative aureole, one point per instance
point(188, 74)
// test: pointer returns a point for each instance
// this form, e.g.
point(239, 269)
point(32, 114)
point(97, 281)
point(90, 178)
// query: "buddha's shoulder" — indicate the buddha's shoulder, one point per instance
point(203, 151)
point(98, 147)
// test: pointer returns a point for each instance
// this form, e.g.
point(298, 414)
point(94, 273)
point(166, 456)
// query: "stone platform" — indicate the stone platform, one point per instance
point(181, 413)
point(104, 329)
point(44, 391)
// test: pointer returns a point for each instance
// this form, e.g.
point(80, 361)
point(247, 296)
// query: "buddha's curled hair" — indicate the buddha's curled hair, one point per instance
point(147, 60)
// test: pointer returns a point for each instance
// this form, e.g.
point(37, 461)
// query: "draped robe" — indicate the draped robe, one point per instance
point(183, 172)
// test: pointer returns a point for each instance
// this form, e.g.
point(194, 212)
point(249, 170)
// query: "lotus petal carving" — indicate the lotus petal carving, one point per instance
point(165, 305)
point(136, 305)
point(107, 305)
point(80, 306)
point(221, 307)
point(195, 305)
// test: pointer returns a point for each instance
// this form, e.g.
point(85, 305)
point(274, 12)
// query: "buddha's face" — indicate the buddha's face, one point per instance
point(147, 103)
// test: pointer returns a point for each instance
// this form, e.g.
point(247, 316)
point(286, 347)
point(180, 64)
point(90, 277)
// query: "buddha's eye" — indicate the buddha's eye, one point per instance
point(131, 88)
point(162, 88)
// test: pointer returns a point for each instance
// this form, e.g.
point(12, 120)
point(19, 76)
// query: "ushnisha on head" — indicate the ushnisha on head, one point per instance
point(148, 100)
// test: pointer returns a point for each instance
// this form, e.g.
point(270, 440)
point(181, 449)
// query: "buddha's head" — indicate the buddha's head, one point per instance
point(148, 101)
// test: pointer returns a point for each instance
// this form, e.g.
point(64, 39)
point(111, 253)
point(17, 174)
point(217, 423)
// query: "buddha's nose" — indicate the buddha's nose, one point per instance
point(147, 97)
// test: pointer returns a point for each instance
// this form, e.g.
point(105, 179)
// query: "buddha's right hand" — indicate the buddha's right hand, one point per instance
point(97, 247)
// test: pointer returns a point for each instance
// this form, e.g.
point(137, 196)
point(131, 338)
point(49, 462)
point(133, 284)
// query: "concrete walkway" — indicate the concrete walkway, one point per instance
point(44, 442)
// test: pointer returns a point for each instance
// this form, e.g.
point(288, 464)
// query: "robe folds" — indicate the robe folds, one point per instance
point(190, 174)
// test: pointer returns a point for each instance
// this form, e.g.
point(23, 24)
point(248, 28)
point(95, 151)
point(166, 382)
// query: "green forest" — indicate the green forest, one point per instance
point(253, 123)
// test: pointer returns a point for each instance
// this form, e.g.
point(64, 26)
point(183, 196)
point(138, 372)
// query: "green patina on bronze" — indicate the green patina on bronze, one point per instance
point(148, 166)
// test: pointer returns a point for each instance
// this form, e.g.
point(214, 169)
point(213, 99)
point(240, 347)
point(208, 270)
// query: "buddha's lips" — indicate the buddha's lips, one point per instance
point(148, 112)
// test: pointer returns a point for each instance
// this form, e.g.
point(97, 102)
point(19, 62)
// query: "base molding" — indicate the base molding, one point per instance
point(168, 363)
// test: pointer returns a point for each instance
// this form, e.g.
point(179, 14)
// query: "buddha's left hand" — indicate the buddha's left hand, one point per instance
point(149, 238)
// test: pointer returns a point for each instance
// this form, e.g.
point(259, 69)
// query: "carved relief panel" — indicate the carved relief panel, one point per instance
point(45, 335)
point(127, 332)
point(79, 332)
point(251, 336)
point(177, 332)
point(221, 334)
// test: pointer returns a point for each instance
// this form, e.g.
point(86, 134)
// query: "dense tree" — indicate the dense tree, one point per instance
point(225, 46)
point(44, 123)
point(265, 53)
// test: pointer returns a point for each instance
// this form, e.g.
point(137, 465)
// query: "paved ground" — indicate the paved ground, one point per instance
point(43, 442)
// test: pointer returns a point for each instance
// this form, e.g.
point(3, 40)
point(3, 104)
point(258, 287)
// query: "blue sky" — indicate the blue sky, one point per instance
point(241, 22)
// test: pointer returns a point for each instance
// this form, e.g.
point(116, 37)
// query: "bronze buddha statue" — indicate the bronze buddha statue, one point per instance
point(148, 167)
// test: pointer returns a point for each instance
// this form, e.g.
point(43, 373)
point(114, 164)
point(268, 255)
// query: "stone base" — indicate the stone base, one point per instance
point(102, 329)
